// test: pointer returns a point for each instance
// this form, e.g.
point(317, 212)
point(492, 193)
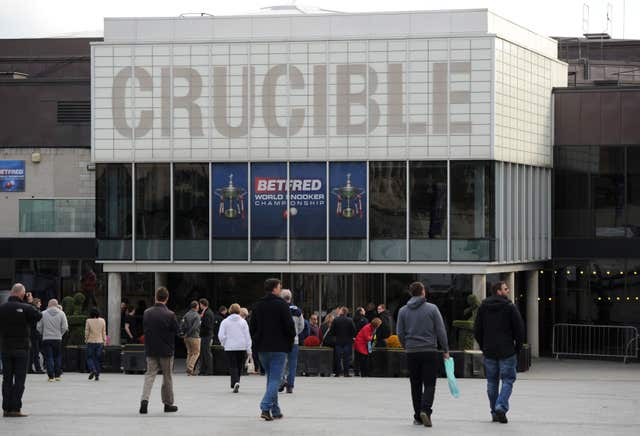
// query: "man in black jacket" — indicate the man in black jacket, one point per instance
point(344, 331)
point(272, 332)
point(499, 330)
point(16, 319)
point(206, 336)
point(160, 331)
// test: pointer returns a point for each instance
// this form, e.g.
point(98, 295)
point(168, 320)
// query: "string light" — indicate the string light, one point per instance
point(621, 273)
point(594, 273)
point(550, 298)
point(541, 272)
point(581, 273)
point(539, 298)
point(568, 272)
point(608, 273)
point(599, 298)
point(617, 298)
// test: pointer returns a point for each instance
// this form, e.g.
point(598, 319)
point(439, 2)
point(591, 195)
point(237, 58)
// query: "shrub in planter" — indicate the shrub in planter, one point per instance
point(315, 360)
point(465, 326)
point(312, 341)
point(393, 342)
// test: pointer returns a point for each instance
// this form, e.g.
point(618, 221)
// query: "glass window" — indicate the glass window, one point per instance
point(428, 210)
point(269, 211)
point(308, 211)
point(113, 211)
point(59, 215)
point(609, 193)
point(388, 205)
point(633, 192)
point(191, 211)
point(472, 211)
point(229, 212)
point(572, 210)
point(153, 198)
point(347, 211)
point(608, 290)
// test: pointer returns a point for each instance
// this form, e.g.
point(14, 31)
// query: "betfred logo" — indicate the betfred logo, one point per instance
point(274, 185)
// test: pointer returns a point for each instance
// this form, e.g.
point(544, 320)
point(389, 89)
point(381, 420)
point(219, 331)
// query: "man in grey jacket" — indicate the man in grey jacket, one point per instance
point(420, 330)
point(289, 375)
point(52, 327)
point(190, 328)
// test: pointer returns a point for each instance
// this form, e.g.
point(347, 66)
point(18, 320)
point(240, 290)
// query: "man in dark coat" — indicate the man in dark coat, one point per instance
point(272, 332)
point(160, 331)
point(499, 330)
point(344, 331)
point(206, 336)
point(384, 331)
point(16, 320)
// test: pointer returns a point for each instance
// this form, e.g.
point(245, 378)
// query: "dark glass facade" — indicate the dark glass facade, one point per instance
point(153, 205)
point(428, 210)
point(190, 211)
point(114, 211)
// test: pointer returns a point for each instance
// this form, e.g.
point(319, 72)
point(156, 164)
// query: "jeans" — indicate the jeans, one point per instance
point(206, 358)
point(34, 353)
point(14, 374)
point(363, 364)
point(236, 360)
point(273, 363)
point(94, 355)
point(496, 370)
point(423, 370)
point(292, 364)
point(342, 358)
point(53, 354)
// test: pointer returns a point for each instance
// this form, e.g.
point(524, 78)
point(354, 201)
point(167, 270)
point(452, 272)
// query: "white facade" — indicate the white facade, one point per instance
point(416, 85)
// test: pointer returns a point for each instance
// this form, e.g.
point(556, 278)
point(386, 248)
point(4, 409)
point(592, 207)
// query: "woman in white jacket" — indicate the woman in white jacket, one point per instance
point(236, 340)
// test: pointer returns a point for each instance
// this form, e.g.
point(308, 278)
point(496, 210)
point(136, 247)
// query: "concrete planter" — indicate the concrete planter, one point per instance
point(70, 358)
point(133, 360)
point(524, 358)
point(315, 361)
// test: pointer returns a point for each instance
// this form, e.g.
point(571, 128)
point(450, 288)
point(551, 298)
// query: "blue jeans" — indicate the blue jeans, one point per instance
point(496, 370)
point(53, 353)
point(94, 354)
point(292, 365)
point(273, 364)
point(342, 358)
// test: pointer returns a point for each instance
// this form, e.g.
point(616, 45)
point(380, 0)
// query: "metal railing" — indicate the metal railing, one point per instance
point(588, 340)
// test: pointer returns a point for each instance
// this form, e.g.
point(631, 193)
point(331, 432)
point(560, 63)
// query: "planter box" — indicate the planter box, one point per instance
point(112, 359)
point(524, 359)
point(220, 364)
point(315, 361)
point(388, 362)
point(82, 358)
point(133, 360)
point(70, 358)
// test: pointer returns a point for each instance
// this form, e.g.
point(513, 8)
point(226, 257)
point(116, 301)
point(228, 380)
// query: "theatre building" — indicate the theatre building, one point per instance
point(348, 154)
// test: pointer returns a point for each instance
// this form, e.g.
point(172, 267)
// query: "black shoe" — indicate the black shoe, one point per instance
point(266, 415)
point(282, 386)
point(91, 375)
point(5, 414)
point(236, 388)
point(494, 418)
point(39, 371)
point(144, 404)
point(16, 414)
point(426, 419)
point(347, 375)
point(289, 390)
point(337, 375)
point(417, 421)
point(501, 416)
point(277, 416)
point(97, 377)
point(170, 409)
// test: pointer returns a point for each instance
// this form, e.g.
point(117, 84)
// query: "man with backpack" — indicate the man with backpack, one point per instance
point(190, 331)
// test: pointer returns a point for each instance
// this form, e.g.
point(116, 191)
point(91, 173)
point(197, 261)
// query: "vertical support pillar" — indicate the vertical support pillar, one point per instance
point(510, 278)
point(159, 279)
point(114, 298)
point(532, 313)
point(479, 290)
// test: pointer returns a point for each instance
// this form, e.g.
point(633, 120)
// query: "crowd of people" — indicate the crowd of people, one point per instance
point(266, 338)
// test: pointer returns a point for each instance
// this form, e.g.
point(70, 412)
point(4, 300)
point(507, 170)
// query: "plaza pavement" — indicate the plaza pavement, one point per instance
point(554, 398)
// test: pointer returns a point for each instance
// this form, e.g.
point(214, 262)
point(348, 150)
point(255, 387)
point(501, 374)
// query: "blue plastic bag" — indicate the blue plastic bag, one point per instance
point(451, 377)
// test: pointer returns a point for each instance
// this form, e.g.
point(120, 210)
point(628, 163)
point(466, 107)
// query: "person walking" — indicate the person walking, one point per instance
point(420, 330)
point(364, 346)
point(384, 331)
point(16, 319)
point(272, 332)
point(95, 336)
point(344, 331)
point(289, 375)
point(52, 327)
point(206, 337)
point(236, 340)
point(190, 329)
point(160, 331)
point(499, 331)
point(34, 353)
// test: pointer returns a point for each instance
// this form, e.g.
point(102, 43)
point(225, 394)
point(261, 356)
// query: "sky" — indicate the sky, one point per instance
point(51, 18)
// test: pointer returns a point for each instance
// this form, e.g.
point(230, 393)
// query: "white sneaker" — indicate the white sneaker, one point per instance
point(236, 388)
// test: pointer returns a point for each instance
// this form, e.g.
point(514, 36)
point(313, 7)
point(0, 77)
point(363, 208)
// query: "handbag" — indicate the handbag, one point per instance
point(451, 377)
point(250, 365)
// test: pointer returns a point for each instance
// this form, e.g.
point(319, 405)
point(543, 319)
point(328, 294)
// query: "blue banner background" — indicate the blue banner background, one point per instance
point(229, 228)
point(12, 182)
point(310, 221)
point(268, 219)
point(339, 226)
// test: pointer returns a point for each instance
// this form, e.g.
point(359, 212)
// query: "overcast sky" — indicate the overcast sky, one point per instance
point(46, 18)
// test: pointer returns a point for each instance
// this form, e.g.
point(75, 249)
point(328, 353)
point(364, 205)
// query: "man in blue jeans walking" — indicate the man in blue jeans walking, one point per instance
point(499, 330)
point(272, 333)
point(289, 375)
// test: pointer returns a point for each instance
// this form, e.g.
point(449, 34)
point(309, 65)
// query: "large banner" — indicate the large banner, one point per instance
point(230, 196)
point(308, 203)
point(348, 206)
point(12, 176)
point(269, 201)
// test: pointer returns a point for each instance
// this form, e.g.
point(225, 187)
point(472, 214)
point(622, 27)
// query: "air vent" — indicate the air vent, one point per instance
point(74, 112)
